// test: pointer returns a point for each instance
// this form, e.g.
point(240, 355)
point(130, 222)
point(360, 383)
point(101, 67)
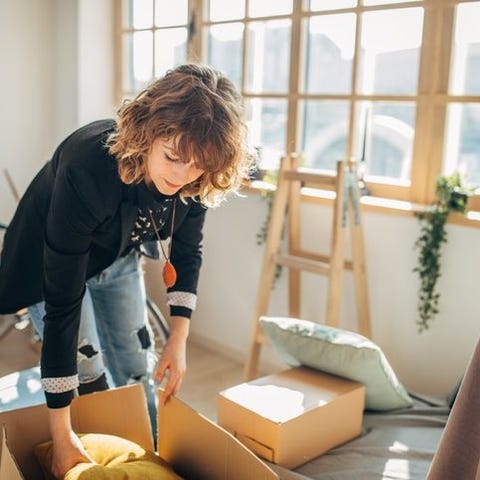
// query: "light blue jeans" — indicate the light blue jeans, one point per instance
point(113, 322)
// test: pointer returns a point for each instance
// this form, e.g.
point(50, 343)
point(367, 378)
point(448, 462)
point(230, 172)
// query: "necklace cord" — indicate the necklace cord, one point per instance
point(155, 228)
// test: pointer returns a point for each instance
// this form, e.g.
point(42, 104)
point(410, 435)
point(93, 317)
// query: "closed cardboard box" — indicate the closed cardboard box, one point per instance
point(293, 416)
point(193, 445)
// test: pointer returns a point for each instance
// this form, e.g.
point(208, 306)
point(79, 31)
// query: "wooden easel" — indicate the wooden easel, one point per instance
point(346, 210)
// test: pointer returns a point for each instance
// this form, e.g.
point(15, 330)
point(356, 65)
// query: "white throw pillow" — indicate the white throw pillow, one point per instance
point(339, 352)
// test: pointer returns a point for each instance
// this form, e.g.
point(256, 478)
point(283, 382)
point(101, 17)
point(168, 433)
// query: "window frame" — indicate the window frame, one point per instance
point(431, 99)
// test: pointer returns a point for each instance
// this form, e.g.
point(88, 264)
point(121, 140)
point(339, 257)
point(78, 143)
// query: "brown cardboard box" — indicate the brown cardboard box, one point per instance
point(194, 446)
point(293, 416)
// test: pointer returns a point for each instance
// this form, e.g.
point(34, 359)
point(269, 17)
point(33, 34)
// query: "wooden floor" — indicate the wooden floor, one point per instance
point(207, 373)
point(16, 350)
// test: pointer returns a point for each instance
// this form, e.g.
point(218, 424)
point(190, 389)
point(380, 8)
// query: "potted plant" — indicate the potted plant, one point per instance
point(452, 196)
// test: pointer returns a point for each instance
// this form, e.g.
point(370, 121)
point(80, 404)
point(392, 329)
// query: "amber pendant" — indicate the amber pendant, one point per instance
point(169, 274)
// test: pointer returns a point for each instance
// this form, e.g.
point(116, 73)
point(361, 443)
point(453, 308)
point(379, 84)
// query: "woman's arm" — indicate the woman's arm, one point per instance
point(68, 235)
point(70, 223)
point(186, 257)
point(67, 448)
point(173, 359)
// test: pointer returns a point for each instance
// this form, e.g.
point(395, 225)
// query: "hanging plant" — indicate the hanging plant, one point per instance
point(451, 196)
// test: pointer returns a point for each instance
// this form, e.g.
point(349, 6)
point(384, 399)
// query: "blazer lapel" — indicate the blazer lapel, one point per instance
point(128, 214)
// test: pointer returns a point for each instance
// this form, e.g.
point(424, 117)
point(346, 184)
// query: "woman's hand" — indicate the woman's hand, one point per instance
point(174, 358)
point(67, 448)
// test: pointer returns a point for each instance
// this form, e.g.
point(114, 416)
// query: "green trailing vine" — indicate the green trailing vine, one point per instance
point(451, 196)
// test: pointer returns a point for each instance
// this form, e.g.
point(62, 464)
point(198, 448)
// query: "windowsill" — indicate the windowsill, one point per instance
point(370, 203)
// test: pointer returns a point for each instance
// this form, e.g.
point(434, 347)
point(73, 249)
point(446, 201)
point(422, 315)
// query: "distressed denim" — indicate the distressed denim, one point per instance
point(113, 326)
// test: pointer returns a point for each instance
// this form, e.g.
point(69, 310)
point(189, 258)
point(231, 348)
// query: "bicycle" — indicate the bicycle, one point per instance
point(156, 321)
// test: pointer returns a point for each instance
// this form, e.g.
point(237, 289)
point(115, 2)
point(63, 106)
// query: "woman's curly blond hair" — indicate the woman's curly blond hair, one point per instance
point(202, 110)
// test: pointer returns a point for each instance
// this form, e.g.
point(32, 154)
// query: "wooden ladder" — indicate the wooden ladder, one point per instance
point(286, 202)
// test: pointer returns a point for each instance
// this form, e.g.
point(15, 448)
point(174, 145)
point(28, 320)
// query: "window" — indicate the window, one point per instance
point(153, 39)
point(462, 131)
point(334, 79)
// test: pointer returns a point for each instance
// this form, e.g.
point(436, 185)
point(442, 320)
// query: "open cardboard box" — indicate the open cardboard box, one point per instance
point(193, 445)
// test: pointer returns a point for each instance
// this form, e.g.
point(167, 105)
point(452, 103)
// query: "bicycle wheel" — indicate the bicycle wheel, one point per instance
point(158, 325)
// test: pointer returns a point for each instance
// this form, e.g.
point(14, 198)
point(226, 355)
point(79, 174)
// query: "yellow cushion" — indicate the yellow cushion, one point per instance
point(117, 458)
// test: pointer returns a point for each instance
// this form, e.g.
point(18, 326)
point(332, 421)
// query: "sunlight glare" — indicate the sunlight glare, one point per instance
point(392, 30)
point(396, 468)
point(227, 33)
point(467, 22)
point(339, 29)
point(270, 401)
point(266, 8)
point(168, 14)
point(142, 13)
point(398, 447)
point(142, 56)
point(222, 10)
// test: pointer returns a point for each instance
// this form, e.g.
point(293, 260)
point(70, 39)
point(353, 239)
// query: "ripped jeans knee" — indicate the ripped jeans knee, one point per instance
point(142, 343)
point(144, 338)
point(89, 361)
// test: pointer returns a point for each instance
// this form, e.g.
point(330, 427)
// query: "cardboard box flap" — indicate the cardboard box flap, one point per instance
point(199, 449)
point(8, 467)
point(26, 427)
point(121, 411)
point(115, 412)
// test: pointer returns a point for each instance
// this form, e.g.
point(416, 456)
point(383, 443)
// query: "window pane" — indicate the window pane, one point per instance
point(462, 150)
point(268, 56)
point(320, 5)
point(138, 13)
point(168, 13)
point(138, 48)
point(268, 8)
point(225, 50)
point(267, 126)
point(465, 73)
point(390, 51)
point(170, 49)
point(384, 139)
point(330, 48)
point(222, 10)
point(325, 133)
point(385, 2)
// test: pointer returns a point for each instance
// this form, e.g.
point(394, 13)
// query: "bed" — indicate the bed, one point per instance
point(426, 440)
point(397, 445)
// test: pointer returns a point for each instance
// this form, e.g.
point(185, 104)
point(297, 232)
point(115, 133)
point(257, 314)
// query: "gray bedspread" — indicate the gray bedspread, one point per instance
point(396, 445)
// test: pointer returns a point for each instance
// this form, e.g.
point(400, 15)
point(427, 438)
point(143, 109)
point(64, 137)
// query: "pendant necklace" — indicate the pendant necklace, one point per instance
point(169, 273)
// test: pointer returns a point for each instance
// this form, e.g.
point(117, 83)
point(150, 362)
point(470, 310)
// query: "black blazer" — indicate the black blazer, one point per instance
point(73, 221)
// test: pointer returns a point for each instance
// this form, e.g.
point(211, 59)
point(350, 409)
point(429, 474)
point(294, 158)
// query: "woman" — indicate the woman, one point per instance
point(111, 190)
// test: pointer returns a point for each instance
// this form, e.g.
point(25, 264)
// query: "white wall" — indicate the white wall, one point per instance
point(57, 74)
point(26, 79)
point(430, 362)
point(96, 96)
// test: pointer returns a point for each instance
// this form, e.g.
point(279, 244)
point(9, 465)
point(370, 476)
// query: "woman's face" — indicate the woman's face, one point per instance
point(166, 171)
